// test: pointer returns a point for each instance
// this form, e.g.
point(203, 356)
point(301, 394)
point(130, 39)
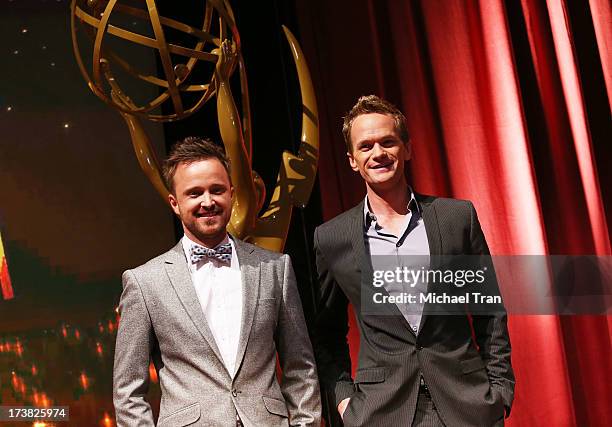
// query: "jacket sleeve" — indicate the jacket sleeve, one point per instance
point(330, 331)
point(132, 355)
point(491, 330)
point(299, 385)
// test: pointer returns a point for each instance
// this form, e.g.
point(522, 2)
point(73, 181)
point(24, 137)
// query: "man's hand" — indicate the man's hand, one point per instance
point(342, 406)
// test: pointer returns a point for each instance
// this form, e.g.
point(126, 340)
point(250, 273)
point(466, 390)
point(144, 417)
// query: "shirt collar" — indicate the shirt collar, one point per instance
point(368, 215)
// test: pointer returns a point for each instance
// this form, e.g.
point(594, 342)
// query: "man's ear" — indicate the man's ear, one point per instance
point(352, 162)
point(173, 203)
point(408, 150)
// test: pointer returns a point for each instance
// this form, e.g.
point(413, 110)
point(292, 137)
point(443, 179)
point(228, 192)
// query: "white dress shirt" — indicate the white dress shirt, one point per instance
point(219, 289)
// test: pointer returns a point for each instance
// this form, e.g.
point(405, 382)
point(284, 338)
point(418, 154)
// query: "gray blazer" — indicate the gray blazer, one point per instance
point(471, 381)
point(162, 321)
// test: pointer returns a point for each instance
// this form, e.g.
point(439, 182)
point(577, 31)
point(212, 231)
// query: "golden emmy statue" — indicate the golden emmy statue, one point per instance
point(98, 20)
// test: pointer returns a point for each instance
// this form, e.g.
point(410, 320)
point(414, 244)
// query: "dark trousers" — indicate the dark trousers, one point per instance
point(426, 414)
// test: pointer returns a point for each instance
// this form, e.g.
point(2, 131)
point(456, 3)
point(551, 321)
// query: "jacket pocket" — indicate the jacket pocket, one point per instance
point(471, 365)
point(183, 417)
point(370, 375)
point(275, 406)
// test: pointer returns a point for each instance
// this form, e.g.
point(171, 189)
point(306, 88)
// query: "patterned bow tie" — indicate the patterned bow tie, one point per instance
point(222, 253)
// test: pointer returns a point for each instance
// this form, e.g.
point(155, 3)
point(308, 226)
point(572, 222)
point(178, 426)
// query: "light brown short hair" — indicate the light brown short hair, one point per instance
point(373, 104)
point(189, 150)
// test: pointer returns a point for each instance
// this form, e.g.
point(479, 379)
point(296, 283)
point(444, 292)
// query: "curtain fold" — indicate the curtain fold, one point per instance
point(602, 22)
point(574, 100)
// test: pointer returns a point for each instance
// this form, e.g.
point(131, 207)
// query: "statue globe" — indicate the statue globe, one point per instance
point(215, 47)
point(180, 93)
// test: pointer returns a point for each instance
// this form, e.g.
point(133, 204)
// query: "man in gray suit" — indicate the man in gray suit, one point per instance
point(212, 314)
point(415, 368)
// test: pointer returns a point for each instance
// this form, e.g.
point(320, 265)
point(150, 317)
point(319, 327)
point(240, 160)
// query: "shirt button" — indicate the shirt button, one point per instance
point(419, 347)
point(234, 393)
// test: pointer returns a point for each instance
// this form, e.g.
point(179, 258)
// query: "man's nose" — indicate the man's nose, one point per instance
point(378, 151)
point(207, 201)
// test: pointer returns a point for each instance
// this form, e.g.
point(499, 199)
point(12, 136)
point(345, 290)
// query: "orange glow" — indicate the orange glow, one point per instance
point(111, 326)
point(34, 370)
point(101, 328)
point(64, 332)
point(44, 400)
point(107, 421)
point(14, 380)
point(77, 334)
point(84, 381)
point(152, 373)
point(36, 398)
point(99, 349)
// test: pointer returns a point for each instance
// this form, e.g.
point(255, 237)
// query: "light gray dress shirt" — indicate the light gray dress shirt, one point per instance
point(409, 249)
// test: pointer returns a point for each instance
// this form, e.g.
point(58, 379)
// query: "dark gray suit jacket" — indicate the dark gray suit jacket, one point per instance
point(470, 381)
point(162, 320)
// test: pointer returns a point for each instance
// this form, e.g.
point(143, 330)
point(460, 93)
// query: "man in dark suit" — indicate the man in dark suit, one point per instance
point(415, 368)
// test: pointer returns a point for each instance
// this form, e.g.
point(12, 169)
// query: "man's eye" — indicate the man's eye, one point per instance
point(365, 148)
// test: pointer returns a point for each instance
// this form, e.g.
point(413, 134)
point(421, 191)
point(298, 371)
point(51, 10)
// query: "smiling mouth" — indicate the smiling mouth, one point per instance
point(207, 214)
point(382, 166)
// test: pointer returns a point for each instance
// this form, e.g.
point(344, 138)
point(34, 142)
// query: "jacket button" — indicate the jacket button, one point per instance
point(419, 347)
point(234, 393)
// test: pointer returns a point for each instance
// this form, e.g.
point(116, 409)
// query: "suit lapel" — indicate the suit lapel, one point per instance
point(362, 258)
point(180, 278)
point(355, 233)
point(432, 228)
point(250, 273)
point(430, 218)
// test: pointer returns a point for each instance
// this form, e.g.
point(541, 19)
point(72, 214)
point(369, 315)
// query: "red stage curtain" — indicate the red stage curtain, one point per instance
point(508, 104)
